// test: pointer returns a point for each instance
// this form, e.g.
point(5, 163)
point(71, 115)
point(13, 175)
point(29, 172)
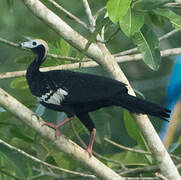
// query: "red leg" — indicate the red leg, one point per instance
point(57, 132)
point(91, 142)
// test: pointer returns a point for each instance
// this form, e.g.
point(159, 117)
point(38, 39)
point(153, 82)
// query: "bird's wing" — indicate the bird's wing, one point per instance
point(82, 87)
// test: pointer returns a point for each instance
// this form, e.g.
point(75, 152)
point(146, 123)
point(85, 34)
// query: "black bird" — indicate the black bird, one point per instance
point(77, 93)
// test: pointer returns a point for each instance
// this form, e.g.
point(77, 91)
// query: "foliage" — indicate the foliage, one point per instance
point(139, 21)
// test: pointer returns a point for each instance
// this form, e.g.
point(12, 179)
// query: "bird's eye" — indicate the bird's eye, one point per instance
point(34, 43)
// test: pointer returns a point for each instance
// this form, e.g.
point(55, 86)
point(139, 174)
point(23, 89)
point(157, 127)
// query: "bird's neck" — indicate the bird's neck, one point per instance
point(33, 70)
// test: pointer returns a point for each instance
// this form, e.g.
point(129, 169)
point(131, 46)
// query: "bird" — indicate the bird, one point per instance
point(78, 94)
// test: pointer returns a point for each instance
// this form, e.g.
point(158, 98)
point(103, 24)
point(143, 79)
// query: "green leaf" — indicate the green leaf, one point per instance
point(15, 160)
point(117, 9)
point(147, 5)
point(131, 22)
point(64, 161)
point(65, 48)
point(157, 19)
point(133, 131)
point(148, 44)
point(101, 120)
point(19, 83)
point(173, 18)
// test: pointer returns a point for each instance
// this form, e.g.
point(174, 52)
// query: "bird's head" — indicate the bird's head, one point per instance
point(38, 46)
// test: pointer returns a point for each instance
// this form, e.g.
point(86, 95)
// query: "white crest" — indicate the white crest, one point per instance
point(53, 97)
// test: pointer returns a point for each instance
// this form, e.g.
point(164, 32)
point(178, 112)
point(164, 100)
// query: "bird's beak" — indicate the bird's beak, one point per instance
point(26, 44)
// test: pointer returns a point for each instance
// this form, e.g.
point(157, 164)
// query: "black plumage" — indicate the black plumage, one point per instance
point(79, 93)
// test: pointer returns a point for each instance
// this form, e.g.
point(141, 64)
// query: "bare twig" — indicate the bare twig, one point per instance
point(75, 18)
point(126, 148)
point(43, 162)
point(9, 42)
point(134, 50)
point(138, 170)
point(160, 176)
point(92, 21)
point(56, 56)
point(173, 5)
point(169, 34)
point(142, 178)
point(164, 53)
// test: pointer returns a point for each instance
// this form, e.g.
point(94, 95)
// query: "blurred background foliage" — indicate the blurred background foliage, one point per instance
point(17, 24)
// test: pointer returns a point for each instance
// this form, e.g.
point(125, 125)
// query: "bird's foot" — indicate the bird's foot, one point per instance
point(90, 146)
point(55, 127)
point(89, 150)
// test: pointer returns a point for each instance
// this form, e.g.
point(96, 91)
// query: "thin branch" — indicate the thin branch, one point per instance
point(56, 56)
point(160, 176)
point(92, 21)
point(142, 178)
point(134, 50)
point(62, 143)
point(70, 15)
point(169, 34)
point(138, 170)
point(126, 148)
point(98, 12)
point(173, 5)
point(9, 42)
point(43, 162)
point(89, 64)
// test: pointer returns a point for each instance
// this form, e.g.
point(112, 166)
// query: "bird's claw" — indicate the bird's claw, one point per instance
point(89, 150)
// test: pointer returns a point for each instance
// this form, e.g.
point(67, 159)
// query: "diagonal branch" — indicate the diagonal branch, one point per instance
point(62, 143)
point(43, 162)
point(68, 14)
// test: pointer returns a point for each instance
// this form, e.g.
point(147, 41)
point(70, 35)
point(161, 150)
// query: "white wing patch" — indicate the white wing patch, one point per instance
point(53, 97)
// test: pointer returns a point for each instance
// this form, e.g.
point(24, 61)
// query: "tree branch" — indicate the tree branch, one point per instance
point(76, 19)
point(126, 148)
point(102, 56)
point(62, 143)
point(92, 21)
point(87, 61)
point(134, 50)
point(45, 163)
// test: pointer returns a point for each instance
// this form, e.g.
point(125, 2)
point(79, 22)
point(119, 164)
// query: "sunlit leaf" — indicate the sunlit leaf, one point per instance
point(131, 22)
point(117, 9)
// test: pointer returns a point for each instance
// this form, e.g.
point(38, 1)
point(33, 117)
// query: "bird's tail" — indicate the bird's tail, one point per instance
point(141, 106)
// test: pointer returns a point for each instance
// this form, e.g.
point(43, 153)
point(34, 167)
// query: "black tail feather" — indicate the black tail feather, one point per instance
point(141, 106)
